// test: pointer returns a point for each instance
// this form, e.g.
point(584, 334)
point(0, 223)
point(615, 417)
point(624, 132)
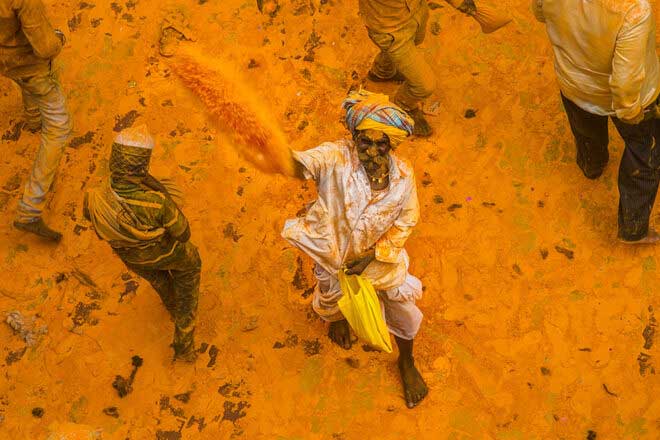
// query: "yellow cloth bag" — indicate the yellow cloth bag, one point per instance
point(360, 306)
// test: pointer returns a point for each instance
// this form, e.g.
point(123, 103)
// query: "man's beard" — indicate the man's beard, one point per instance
point(376, 166)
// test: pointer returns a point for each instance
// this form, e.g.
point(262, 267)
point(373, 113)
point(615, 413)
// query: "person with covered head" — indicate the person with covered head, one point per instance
point(134, 212)
point(366, 209)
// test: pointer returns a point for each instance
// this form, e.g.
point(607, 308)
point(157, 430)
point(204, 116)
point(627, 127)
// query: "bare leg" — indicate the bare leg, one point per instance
point(414, 387)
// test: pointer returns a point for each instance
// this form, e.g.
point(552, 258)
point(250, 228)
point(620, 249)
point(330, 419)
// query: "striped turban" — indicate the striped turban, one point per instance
point(374, 111)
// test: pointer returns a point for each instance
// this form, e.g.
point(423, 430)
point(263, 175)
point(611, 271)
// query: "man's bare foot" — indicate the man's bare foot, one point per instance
point(652, 237)
point(340, 333)
point(414, 387)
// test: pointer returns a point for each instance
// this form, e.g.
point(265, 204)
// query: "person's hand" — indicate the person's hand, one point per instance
point(298, 168)
point(154, 184)
point(652, 113)
point(357, 266)
point(61, 36)
point(636, 119)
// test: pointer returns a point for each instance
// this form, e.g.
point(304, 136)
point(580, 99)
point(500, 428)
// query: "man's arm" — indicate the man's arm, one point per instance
point(315, 162)
point(537, 9)
point(391, 244)
point(298, 167)
point(37, 29)
point(174, 221)
point(628, 65)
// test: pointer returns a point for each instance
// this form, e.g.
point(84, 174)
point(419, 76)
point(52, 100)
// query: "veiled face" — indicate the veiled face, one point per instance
point(373, 148)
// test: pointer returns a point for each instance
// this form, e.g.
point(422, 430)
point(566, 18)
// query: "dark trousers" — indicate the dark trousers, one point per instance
point(176, 280)
point(639, 171)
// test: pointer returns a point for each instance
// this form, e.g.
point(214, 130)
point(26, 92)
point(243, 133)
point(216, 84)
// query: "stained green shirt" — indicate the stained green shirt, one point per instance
point(151, 208)
point(147, 224)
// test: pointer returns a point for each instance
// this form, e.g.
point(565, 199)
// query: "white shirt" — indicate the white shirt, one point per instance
point(348, 218)
point(605, 55)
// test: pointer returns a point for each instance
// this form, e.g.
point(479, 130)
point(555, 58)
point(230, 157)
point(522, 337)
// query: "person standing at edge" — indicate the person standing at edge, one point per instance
point(607, 66)
point(28, 43)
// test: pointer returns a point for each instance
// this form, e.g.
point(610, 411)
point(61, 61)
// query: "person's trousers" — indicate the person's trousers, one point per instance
point(639, 171)
point(399, 53)
point(176, 280)
point(45, 106)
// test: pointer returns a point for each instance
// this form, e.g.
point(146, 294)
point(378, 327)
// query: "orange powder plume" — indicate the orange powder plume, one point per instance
point(235, 110)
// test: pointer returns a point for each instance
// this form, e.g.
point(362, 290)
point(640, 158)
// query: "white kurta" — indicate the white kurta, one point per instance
point(347, 220)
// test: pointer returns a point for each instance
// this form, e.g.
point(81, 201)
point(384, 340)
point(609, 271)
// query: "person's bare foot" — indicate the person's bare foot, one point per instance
point(414, 387)
point(652, 237)
point(340, 333)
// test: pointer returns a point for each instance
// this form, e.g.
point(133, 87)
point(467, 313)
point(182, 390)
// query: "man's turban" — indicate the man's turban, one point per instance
point(374, 111)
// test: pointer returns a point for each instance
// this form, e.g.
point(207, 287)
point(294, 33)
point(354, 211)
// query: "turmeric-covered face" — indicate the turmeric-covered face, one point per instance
point(373, 148)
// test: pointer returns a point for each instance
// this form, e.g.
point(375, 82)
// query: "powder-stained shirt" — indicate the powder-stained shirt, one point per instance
point(604, 52)
point(136, 221)
point(27, 39)
point(349, 218)
point(388, 15)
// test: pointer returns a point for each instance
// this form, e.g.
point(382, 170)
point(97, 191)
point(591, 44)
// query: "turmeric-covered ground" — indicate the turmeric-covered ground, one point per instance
point(538, 324)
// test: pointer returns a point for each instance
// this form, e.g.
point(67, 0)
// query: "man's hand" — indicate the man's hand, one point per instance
point(357, 266)
point(61, 36)
point(154, 184)
point(185, 235)
point(636, 119)
point(298, 168)
point(652, 113)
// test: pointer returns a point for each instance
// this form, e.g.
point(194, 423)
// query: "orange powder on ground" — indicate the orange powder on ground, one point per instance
point(235, 110)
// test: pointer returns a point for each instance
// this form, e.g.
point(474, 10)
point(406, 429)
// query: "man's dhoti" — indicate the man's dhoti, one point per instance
point(397, 292)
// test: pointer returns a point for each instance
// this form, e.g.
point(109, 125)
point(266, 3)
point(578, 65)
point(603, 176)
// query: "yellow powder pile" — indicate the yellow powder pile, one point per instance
point(235, 110)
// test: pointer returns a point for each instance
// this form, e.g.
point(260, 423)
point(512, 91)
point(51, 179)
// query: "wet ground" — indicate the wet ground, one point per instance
point(538, 324)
